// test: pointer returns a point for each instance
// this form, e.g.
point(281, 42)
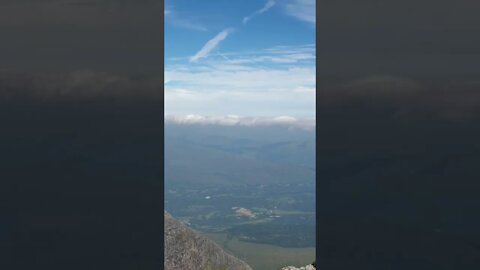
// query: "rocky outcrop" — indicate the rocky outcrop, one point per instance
point(308, 267)
point(186, 249)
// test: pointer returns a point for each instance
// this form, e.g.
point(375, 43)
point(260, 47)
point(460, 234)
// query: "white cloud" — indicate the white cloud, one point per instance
point(173, 18)
point(302, 89)
point(298, 54)
point(268, 5)
point(210, 45)
point(250, 83)
point(303, 10)
point(287, 58)
point(250, 80)
point(241, 100)
point(235, 120)
point(187, 25)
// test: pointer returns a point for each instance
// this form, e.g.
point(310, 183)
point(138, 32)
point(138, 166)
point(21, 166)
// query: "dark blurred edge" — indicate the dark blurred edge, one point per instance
point(398, 123)
point(81, 181)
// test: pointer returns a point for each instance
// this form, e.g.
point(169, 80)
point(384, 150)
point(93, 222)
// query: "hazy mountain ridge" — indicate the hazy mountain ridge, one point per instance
point(185, 249)
point(238, 154)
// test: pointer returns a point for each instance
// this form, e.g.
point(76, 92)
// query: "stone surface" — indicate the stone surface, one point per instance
point(186, 249)
point(308, 267)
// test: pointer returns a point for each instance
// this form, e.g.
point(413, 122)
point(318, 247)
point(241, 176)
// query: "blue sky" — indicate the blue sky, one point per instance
point(246, 58)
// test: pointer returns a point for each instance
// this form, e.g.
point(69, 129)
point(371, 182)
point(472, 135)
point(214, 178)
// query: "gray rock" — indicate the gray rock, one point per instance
point(308, 267)
point(186, 249)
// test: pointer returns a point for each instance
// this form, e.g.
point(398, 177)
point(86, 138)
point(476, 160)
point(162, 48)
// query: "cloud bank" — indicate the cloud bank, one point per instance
point(234, 120)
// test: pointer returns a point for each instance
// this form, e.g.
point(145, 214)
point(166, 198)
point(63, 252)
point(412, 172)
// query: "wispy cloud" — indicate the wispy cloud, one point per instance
point(299, 55)
point(187, 25)
point(250, 82)
point(171, 17)
point(210, 45)
point(303, 10)
point(295, 54)
point(268, 5)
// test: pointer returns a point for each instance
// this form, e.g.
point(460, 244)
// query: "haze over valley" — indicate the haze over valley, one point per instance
point(242, 184)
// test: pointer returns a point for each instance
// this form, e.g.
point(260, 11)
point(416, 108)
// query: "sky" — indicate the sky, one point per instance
point(251, 58)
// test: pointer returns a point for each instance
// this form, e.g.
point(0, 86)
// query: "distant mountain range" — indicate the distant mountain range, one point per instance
point(219, 155)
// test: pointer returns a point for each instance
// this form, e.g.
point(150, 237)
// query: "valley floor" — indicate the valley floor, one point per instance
point(264, 256)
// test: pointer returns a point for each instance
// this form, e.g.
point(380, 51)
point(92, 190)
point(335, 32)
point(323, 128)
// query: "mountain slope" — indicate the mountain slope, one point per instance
point(185, 249)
